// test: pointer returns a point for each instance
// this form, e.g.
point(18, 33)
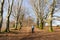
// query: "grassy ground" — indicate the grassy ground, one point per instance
point(25, 34)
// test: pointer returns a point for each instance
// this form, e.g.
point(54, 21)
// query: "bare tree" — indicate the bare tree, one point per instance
point(38, 7)
point(8, 15)
point(22, 15)
point(17, 12)
point(49, 15)
point(52, 8)
point(1, 13)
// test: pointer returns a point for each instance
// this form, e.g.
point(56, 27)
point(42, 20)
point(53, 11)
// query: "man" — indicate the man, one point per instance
point(32, 28)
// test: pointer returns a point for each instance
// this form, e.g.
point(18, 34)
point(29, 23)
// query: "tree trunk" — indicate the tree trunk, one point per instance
point(1, 21)
point(16, 23)
point(50, 26)
point(1, 14)
point(37, 23)
point(20, 25)
point(41, 24)
point(7, 25)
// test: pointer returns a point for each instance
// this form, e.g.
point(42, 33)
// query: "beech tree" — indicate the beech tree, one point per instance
point(18, 13)
point(8, 15)
point(38, 7)
point(50, 18)
point(1, 13)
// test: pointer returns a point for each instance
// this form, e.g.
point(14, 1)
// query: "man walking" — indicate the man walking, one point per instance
point(32, 29)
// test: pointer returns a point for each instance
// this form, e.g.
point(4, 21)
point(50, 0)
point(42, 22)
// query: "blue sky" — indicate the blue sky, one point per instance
point(28, 6)
point(25, 4)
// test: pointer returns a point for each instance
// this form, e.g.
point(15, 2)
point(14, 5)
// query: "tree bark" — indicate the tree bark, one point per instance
point(1, 14)
point(1, 20)
point(41, 24)
point(20, 25)
point(50, 29)
point(38, 23)
point(7, 25)
point(16, 23)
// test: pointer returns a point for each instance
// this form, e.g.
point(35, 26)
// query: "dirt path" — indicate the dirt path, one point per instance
point(25, 34)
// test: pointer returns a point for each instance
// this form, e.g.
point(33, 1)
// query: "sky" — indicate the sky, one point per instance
point(28, 6)
point(25, 4)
